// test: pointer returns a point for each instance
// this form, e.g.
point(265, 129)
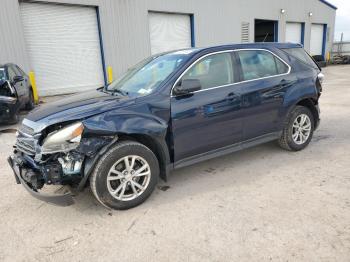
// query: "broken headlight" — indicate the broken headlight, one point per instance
point(63, 140)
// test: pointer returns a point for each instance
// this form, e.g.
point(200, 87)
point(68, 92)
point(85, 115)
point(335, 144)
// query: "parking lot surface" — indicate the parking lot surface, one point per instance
point(260, 204)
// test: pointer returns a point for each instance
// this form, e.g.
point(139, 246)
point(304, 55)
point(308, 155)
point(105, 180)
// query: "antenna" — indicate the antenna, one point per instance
point(265, 37)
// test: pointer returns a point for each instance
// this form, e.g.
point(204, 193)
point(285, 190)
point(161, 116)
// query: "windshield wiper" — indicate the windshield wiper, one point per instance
point(113, 92)
point(119, 91)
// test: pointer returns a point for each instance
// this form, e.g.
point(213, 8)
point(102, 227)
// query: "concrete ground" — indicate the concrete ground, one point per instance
point(261, 204)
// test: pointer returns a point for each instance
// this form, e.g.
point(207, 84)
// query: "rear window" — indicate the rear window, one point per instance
point(300, 54)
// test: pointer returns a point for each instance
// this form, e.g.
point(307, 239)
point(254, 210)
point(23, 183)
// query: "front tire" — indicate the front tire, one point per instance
point(14, 119)
point(125, 176)
point(30, 104)
point(298, 130)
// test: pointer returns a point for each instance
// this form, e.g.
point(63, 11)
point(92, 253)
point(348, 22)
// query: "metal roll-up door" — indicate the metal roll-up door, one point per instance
point(293, 32)
point(169, 31)
point(63, 45)
point(316, 40)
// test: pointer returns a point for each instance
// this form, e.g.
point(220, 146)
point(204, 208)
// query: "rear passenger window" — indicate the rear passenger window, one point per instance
point(258, 64)
point(282, 68)
point(212, 71)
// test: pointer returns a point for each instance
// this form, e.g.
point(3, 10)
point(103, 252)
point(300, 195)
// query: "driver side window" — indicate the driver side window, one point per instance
point(212, 71)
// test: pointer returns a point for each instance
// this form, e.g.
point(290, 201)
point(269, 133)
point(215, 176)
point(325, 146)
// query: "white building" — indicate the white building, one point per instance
point(70, 43)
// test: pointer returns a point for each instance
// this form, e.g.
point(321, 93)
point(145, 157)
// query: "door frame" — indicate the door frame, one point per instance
point(192, 25)
point(101, 45)
point(275, 28)
point(99, 28)
point(324, 38)
point(302, 30)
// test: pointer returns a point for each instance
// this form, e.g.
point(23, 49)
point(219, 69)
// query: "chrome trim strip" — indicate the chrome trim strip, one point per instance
point(229, 51)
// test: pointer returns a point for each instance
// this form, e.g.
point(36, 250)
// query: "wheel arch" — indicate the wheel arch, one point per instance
point(161, 151)
point(312, 105)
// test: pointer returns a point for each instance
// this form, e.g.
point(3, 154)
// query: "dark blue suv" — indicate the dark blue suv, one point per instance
point(169, 111)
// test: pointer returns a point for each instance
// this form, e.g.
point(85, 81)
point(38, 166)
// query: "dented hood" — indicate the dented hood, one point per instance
point(77, 107)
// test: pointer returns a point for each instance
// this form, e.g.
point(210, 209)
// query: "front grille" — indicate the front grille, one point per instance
point(26, 130)
point(26, 140)
point(26, 145)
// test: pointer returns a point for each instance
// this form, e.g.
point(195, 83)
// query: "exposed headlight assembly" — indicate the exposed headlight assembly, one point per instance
point(63, 140)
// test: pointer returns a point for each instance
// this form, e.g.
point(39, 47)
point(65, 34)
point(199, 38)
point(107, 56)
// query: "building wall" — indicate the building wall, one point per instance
point(12, 46)
point(125, 33)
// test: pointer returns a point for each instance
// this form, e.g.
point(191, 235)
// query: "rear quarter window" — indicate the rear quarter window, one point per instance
point(300, 54)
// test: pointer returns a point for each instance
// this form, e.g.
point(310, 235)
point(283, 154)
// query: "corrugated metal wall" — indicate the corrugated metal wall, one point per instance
point(125, 24)
point(12, 47)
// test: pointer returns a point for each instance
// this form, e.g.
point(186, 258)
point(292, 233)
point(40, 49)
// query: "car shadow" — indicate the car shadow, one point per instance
point(199, 178)
point(9, 128)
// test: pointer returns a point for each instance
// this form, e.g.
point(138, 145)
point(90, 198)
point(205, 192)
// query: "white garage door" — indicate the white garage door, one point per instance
point(169, 32)
point(316, 39)
point(293, 32)
point(63, 46)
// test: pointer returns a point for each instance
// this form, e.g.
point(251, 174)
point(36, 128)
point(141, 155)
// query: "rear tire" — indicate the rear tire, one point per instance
point(125, 176)
point(298, 130)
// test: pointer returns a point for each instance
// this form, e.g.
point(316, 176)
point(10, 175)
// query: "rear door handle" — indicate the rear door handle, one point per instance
point(284, 82)
point(231, 96)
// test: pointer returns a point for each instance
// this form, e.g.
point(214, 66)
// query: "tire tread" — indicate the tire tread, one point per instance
point(283, 141)
point(111, 151)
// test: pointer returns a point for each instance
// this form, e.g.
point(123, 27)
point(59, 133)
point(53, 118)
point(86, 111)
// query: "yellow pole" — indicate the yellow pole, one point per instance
point(328, 56)
point(34, 88)
point(110, 74)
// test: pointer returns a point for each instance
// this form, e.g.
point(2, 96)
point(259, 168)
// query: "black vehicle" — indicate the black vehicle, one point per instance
point(169, 111)
point(15, 93)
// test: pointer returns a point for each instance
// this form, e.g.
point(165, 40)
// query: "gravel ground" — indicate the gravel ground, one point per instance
point(261, 204)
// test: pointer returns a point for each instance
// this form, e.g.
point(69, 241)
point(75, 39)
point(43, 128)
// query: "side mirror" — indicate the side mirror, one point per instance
point(188, 86)
point(17, 79)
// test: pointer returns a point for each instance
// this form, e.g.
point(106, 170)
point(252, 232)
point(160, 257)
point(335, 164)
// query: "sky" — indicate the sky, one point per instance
point(342, 20)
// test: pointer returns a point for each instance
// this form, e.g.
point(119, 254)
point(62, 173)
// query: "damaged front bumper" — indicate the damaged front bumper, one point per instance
point(35, 168)
point(20, 168)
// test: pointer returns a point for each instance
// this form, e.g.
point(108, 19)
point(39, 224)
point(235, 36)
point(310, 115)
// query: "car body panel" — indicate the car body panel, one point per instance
point(77, 107)
point(205, 121)
point(187, 128)
point(242, 111)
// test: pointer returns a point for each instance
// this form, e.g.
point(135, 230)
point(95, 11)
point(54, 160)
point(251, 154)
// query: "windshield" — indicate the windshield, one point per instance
point(147, 75)
point(2, 74)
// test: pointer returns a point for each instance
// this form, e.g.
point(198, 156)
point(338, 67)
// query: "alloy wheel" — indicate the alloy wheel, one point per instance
point(301, 129)
point(128, 178)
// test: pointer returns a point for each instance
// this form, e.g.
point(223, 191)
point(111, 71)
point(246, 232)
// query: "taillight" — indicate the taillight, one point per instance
point(320, 77)
point(319, 81)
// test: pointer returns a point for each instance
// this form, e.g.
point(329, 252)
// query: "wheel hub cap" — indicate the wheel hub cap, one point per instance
point(128, 178)
point(301, 129)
